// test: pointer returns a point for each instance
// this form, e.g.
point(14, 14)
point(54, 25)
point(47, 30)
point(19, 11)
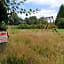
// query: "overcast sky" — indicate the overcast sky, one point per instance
point(46, 7)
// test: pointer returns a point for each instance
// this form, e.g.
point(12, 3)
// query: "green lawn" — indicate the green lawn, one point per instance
point(60, 30)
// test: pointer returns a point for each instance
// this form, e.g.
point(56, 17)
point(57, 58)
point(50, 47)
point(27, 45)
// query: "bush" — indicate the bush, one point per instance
point(32, 26)
point(3, 26)
point(60, 23)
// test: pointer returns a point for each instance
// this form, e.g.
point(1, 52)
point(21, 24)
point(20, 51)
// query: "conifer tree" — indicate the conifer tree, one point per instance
point(60, 13)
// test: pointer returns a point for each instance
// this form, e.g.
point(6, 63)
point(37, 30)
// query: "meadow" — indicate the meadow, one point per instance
point(33, 46)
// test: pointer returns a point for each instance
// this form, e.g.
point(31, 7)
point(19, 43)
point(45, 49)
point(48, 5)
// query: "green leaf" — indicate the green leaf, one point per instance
point(21, 9)
point(30, 10)
point(33, 11)
point(18, 3)
point(24, 10)
point(26, 14)
point(17, 7)
point(21, 12)
point(8, 1)
point(12, 3)
point(13, 7)
point(21, 2)
point(17, 11)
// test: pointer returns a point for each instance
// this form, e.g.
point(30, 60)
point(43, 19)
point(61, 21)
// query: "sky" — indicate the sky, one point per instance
point(47, 7)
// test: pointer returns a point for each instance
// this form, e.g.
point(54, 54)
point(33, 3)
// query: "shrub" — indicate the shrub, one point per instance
point(21, 26)
point(60, 23)
point(3, 26)
point(32, 26)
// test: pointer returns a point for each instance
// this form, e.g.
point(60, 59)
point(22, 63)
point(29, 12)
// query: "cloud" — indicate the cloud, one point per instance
point(52, 10)
point(22, 16)
point(42, 13)
point(51, 3)
point(46, 13)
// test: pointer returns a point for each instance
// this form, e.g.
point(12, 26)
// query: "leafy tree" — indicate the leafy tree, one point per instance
point(60, 23)
point(32, 20)
point(14, 19)
point(26, 20)
point(3, 13)
point(43, 20)
point(14, 6)
point(60, 13)
point(3, 16)
point(9, 7)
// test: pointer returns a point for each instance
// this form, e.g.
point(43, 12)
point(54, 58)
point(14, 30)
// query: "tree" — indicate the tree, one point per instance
point(14, 6)
point(14, 19)
point(32, 20)
point(3, 16)
point(60, 23)
point(43, 20)
point(9, 7)
point(26, 20)
point(60, 13)
point(3, 13)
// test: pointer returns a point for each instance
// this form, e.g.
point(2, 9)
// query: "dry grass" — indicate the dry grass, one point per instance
point(36, 47)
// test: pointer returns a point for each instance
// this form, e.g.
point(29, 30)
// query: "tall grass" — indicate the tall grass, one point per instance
point(33, 47)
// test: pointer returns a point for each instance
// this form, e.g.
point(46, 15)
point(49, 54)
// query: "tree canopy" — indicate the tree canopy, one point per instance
point(60, 23)
point(3, 13)
point(60, 17)
point(14, 19)
point(9, 7)
point(31, 20)
point(60, 13)
point(16, 6)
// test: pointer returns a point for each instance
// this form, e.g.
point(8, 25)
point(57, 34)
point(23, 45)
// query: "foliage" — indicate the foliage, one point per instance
point(43, 20)
point(60, 23)
point(60, 14)
point(3, 26)
point(14, 19)
point(32, 26)
point(61, 11)
point(10, 7)
point(3, 13)
point(35, 20)
point(14, 6)
point(31, 20)
point(3, 17)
